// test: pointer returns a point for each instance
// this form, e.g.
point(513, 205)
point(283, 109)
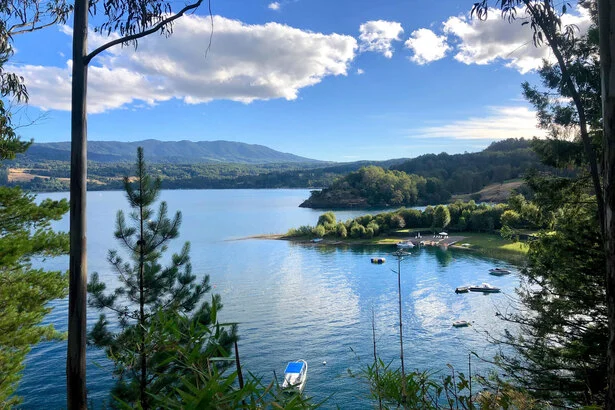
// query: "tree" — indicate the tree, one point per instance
point(133, 20)
point(606, 22)
point(25, 227)
point(441, 217)
point(546, 23)
point(25, 291)
point(561, 347)
point(141, 351)
point(19, 17)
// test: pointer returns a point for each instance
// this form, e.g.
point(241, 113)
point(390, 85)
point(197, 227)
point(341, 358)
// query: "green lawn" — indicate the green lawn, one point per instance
point(487, 241)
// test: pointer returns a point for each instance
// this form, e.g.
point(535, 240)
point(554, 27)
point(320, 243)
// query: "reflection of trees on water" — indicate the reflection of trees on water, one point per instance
point(371, 250)
point(444, 256)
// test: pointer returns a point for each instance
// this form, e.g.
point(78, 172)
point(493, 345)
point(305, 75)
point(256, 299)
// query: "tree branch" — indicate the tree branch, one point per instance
point(136, 36)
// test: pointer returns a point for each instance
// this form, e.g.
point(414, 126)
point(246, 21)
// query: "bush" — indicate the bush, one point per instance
point(319, 231)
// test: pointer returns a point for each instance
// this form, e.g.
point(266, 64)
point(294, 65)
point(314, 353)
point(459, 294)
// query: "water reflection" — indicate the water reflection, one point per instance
point(301, 300)
point(444, 256)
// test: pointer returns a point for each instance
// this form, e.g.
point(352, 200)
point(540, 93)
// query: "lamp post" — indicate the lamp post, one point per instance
point(399, 254)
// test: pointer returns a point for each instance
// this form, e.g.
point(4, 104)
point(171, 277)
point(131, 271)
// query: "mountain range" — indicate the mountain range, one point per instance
point(184, 152)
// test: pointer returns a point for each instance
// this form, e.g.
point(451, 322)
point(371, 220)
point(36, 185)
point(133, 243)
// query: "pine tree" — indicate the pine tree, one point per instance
point(25, 291)
point(150, 292)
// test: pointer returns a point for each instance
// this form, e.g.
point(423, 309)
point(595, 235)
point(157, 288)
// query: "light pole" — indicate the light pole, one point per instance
point(400, 256)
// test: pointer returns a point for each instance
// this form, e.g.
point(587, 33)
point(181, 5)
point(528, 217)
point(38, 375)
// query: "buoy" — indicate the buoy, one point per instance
point(324, 362)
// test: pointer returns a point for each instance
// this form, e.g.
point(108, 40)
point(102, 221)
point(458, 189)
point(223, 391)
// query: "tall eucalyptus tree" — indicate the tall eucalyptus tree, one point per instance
point(545, 19)
point(132, 20)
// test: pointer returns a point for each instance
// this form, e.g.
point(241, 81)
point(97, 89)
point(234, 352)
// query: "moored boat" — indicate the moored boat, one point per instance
point(461, 323)
point(499, 271)
point(405, 245)
point(485, 288)
point(462, 289)
point(295, 376)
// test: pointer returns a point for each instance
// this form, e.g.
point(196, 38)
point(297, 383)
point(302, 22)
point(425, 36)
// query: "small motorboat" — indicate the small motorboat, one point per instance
point(378, 260)
point(462, 289)
point(499, 271)
point(405, 245)
point(485, 288)
point(461, 323)
point(295, 376)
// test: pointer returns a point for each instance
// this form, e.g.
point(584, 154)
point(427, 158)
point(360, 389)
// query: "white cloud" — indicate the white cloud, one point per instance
point(245, 63)
point(495, 39)
point(499, 123)
point(360, 71)
point(378, 36)
point(274, 5)
point(426, 46)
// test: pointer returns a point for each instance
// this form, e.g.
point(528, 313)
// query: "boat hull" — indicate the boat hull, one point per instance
point(295, 377)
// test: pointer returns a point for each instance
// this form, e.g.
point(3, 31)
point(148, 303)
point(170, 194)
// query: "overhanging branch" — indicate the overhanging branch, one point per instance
point(137, 36)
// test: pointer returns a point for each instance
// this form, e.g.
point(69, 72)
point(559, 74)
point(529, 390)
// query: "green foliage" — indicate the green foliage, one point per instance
point(202, 379)
point(327, 220)
point(151, 292)
point(561, 349)
point(462, 217)
point(441, 217)
point(465, 173)
point(25, 233)
point(368, 187)
point(425, 390)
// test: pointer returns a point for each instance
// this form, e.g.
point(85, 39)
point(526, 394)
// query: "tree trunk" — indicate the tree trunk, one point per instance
point(606, 10)
point(142, 353)
point(77, 294)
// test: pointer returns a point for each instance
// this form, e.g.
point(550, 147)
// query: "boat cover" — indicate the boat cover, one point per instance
point(294, 367)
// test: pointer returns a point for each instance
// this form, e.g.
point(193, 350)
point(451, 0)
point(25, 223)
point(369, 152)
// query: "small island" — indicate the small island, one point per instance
point(462, 225)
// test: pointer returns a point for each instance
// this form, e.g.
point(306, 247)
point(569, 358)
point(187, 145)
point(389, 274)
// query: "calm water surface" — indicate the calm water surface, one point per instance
point(294, 301)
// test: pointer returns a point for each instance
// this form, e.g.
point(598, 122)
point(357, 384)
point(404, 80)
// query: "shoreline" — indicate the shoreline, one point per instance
point(491, 245)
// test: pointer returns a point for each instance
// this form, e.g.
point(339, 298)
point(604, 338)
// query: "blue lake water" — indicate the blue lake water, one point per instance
point(295, 301)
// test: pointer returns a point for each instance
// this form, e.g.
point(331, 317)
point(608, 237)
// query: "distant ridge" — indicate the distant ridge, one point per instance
point(176, 152)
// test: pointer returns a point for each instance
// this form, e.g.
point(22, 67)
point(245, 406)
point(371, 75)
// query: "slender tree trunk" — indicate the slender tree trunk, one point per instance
point(142, 352)
point(606, 13)
point(377, 372)
point(77, 294)
point(401, 336)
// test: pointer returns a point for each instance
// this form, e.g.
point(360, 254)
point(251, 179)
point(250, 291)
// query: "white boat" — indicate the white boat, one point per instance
point(499, 271)
point(405, 245)
point(485, 288)
point(295, 376)
point(461, 323)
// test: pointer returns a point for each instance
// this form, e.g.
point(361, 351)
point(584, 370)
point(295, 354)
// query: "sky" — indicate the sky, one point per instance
point(329, 80)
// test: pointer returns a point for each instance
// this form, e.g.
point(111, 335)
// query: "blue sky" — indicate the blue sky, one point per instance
point(331, 80)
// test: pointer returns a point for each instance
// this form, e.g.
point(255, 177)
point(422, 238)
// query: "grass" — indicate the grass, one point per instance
point(492, 242)
point(495, 246)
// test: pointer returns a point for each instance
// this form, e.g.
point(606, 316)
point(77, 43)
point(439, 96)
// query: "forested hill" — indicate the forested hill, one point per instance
point(176, 152)
point(46, 167)
point(470, 172)
point(430, 179)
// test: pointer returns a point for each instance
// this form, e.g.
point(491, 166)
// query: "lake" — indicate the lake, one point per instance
point(294, 301)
